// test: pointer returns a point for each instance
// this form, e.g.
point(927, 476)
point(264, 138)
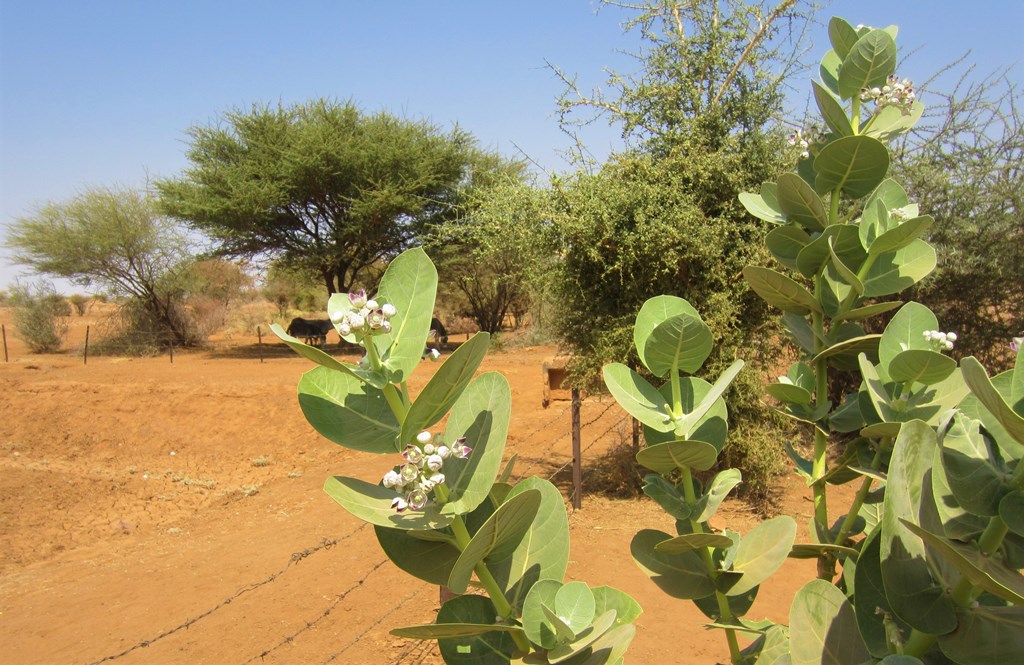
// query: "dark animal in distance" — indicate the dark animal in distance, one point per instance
point(310, 331)
point(438, 335)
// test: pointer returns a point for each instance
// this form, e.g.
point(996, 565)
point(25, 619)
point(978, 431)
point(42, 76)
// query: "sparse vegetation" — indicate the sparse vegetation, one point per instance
point(40, 316)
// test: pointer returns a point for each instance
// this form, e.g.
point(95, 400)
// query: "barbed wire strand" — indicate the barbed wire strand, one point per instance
point(325, 544)
point(376, 623)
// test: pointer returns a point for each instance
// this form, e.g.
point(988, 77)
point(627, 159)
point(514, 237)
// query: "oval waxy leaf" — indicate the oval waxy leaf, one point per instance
point(832, 110)
point(410, 284)
point(445, 387)
point(671, 455)
point(1003, 384)
point(986, 636)
point(762, 551)
point(871, 60)
point(1011, 510)
point(974, 471)
point(666, 495)
point(429, 560)
point(913, 593)
point(497, 538)
point(485, 649)
point(870, 594)
point(322, 358)
point(372, 503)
point(481, 415)
point(906, 331)
point(609, 598)
point(892, 273)
point(901, 236)
point(800, 203)
point(764, 205)
point(343, 409)
point(982, 388)
point(543, 552)
point(854, 164)
point(680, 575)
point(437, 631)
point(780, 291)
point(705, 414)
point(785, 244)
point(681, 343)
point(842, 35)
point(652, 314)
point(787, 392)
point(828, 70)
point(639, 398)
point(718, 489)
point(534, 619)
point(921, 366)
point(868, 311)
point(891, 122)
point(823, 628)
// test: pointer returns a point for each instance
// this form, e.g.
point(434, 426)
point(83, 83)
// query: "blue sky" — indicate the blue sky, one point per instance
point(102, 92)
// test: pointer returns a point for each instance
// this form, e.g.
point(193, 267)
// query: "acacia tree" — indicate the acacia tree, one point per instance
point(320, 187)
point(116, 240)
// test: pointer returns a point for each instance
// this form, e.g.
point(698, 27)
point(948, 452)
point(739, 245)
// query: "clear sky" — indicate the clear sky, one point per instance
point(102, 92)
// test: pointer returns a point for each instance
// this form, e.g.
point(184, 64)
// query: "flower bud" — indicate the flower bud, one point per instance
point(388, 309)
point(356, 321)
point(357, 298)
point(338, 316)
point(424, 437)
point(444, 451)
point(392, 479)
point(372, 304)
point(399, 504)
point(345, 329)
point(434, 462)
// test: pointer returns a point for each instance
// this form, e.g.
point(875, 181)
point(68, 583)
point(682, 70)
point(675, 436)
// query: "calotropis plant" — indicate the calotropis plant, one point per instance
point(685, 424)
point(444, 510)
point(935, 577)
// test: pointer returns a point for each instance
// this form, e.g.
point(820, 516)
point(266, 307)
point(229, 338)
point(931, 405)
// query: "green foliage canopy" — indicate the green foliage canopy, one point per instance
point(321, 186)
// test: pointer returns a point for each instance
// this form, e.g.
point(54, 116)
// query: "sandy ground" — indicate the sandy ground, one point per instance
point(153, 512)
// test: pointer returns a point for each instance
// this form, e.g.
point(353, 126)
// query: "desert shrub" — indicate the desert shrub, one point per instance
point(40, 316)
point(80, 302)
point(133, 329)
point(244, 318)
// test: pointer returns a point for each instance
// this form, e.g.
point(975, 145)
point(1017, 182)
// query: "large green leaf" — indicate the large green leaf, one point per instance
point(696, 420)
point(891, 122)
point(785, 243)
point(868, 311)
point(718, 489)
point(840, 241)
point(372, 503)
point(1011, 511)
point(973, 468)
point(493, 648)
point(609, 598)
point(876, 392)
point(982, 570)
point(436, 631)
point(497, 538)
point(832, 111)
point(973, 407)
point(347, 411)
point(894, 272)
point(914, 594)
point(851, 348)
point(481, 415)
point(543, 552)
point(906, 331)
point(854, 164)
point(869, 63)
point(764, 205)
point(671, 455)
point(666, 495)
point(577, 647)
point(982, 388)
point(800, 203)
point(842, 35)
point(410, 284)
point(682, 343)
point(823, 628)
point(681, 575)
point(872, 607)
point(318, 356)
point(639, 398)
point(429, 560)
point(762, 552)
point(921, 366)
point(986, 636)
point(780, 291)
point(901, 236)
point(575, 605)
point(445, 387)
point(534, 619)
point(652, 314)
point(702, 424)
point(828, 70)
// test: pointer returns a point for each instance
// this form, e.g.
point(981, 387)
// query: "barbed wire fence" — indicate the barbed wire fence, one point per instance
point(604, 417)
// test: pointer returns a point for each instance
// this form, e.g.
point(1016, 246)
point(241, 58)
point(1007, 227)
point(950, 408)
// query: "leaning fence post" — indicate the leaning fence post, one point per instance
point(85, 354)
point(170, 348)
point(577, 462)
point(259, 336)
point(636, 435)
point(3, 328)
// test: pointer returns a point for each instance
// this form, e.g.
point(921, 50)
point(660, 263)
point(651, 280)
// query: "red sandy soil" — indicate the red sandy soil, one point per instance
point(153, 512)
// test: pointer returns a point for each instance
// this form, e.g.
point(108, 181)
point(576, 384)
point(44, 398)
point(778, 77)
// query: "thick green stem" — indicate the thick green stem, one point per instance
point(398, 405)
point(826, 564)
point(724, 610)
point(494, 591)
point(858, 500)
point(833, 208)
point(855, 114)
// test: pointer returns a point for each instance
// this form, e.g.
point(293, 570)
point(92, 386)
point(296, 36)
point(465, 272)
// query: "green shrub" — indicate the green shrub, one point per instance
point(40, 317)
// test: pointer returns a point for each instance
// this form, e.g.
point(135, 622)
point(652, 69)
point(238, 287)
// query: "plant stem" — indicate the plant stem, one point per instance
point(724, 610)
point(494, 592)
point(858, 500)
point(398, 405)
point(826, 563)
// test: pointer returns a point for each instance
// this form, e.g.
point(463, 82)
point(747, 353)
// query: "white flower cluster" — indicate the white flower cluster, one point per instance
point(797, 139)
point(940, 341)
point(805, 139)
point(421, 473)
point(894, 93)
point(367, 316)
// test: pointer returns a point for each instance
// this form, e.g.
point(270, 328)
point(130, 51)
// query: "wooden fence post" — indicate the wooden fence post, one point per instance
point(636, 435)
point(85, 355)
point(3, 328)
point(259, 336)
point(170, 348)
point(577, 462)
